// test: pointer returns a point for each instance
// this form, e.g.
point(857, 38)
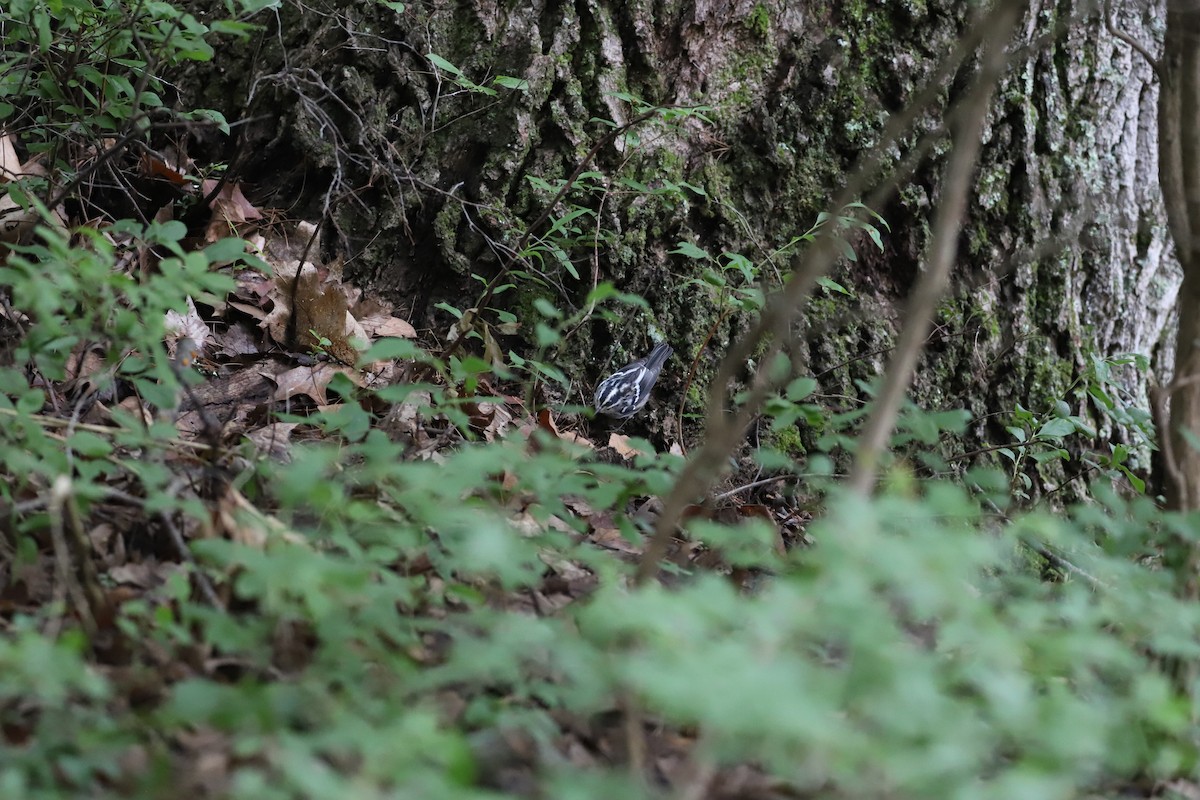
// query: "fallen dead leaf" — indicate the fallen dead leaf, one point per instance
point(189, 325)
point(239, 339)
point(621, 444)
point(320, 313)
point(274, 441)
point(243, 523)
point(311, 381)
point(10, 163)
point(612, 539)
point(379, 327)
point(230, 209)
point(154, 167)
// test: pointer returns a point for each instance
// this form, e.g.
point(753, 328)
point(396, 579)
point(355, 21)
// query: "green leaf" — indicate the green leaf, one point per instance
point(444, 306)
point(390, 349)
point(443, 64)
point(689, 250)
point(225, 251)
point(1138, 484)
point(209, 115)
point(800, 388)
point(833, 286)
point(509, 82)
point(88, 444)
point(1055, 429)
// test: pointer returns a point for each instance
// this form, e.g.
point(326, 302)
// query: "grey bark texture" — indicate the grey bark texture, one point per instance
point(1065, 254)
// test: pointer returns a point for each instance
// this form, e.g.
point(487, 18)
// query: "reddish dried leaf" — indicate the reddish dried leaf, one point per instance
point(155, 167)
point(545, 421)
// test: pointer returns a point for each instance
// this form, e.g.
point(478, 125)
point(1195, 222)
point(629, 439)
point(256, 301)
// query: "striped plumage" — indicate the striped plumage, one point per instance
point(625, 392)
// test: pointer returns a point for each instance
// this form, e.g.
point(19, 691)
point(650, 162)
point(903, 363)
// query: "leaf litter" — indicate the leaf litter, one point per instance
point(259, 361)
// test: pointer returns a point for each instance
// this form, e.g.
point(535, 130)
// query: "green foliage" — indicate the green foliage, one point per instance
point(912, 648)
point(383, 620)
point(1041, 439)
point(456, 74)
point(96, 63)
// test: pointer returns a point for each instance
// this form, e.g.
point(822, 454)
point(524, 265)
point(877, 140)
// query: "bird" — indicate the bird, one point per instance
point(625, 392)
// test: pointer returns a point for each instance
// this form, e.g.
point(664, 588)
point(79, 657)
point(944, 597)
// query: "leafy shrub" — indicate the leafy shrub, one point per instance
point(358, 622)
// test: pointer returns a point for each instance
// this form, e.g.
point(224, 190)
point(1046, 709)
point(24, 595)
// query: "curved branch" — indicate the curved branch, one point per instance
point(1117, 33)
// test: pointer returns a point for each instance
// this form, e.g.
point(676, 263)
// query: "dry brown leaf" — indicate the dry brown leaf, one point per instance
point(545, 421)
point(254, 286)
point(556, 523)
point(274, 441)
point(580, 506)
point(16, 222)
point(320, 310)
point(311, 381)
point(612, 539)
point(154, 167)
point(526, 525)
point(565, 568)
point(239, 339)
point(245, 524)
point(230, 208)
point(246, 308)
point(404, 418)
point(379, 327)
point(491, 349)
point(144, 574)
point(488, 419)
point(10, 163)
point(758, 511)
point(621, 444)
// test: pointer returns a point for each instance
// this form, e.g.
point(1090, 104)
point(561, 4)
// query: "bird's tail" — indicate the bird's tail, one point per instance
point(658, 356)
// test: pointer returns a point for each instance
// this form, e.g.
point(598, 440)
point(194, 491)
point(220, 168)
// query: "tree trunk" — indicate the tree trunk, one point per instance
point(1063, 258)
point(1179, 125)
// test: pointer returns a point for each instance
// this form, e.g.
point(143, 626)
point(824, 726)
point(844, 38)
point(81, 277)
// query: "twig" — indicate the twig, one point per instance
point(206, 587)
point(754, 485)
point(1111, 25)
point(993, 448)
point(635, 737)
point(55, 422)
point(83, 587)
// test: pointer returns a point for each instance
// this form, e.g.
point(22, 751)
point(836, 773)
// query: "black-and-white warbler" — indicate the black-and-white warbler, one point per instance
point(625, 392)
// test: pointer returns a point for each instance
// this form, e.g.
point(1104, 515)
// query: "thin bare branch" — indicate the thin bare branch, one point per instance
point(1117, 33)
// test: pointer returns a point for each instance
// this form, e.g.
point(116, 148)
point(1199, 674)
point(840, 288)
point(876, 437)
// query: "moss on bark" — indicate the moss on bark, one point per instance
point(425, 180)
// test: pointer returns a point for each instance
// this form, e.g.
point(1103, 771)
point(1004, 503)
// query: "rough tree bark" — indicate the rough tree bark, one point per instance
point(425, 182)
